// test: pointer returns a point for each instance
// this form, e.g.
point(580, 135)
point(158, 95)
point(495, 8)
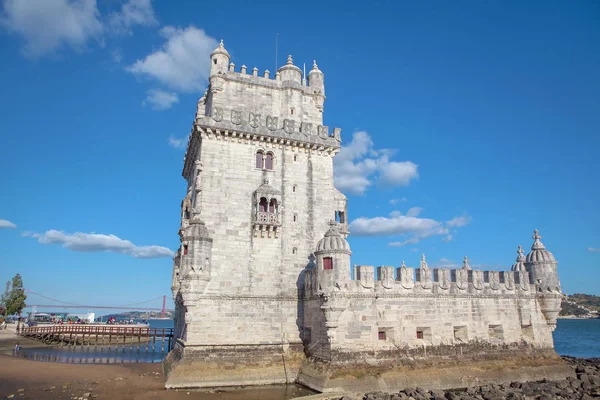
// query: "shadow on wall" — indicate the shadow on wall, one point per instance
point(300, 288)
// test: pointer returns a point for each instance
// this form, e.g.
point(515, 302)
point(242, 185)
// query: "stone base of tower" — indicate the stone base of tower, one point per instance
point(438, 370)
point(235, 365)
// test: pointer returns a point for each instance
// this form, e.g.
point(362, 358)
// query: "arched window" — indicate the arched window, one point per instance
point(294, 250)
point(269, 161)
point(294, 188)
point(273, 206)
point(262, 206)
point(259, 159)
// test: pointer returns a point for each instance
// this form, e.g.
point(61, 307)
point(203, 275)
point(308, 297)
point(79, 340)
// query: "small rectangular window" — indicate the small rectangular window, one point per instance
point(327, 263)
point(419, 334)
point(496, 332)
point(381, 335)
point(185, 249)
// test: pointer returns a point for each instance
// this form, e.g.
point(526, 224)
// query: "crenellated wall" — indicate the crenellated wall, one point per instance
point(410, 309)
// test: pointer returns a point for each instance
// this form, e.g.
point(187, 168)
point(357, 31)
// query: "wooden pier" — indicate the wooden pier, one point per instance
point(101, 335)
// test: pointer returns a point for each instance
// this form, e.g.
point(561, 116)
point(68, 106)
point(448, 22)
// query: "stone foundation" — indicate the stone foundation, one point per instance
point(438, 370)
point(236, 365)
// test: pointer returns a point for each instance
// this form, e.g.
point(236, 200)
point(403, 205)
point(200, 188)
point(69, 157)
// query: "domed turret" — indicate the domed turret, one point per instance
point(316, 83)
point(542, 272)
point(538, 253)
point(541, 265)
point(519, 265)
point(290, 74)
point(333, 242)
point(219, 61)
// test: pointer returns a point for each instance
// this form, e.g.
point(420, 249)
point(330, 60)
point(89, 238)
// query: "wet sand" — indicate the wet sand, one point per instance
point(27, 379)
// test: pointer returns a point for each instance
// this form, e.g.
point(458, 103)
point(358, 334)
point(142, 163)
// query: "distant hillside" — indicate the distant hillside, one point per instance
point(587, 300)
point(138, 315)
point(580, 305)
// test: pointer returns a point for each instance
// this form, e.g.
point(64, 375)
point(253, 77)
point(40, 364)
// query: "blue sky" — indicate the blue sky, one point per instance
point(466, 125)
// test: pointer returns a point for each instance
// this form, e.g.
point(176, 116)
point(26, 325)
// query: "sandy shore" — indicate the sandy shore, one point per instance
point(27, 379)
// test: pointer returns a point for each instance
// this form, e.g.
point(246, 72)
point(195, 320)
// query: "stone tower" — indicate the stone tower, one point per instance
point(259, 171)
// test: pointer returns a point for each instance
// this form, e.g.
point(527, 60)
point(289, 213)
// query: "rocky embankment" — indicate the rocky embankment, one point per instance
point(585, 387)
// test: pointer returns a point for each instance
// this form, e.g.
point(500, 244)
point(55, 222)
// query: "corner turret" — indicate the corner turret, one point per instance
point(541, 265)
point(316, 83)
point(289, 74)
point(519, 265)
point(333, 259)
point(219, 62)
point(196, 253)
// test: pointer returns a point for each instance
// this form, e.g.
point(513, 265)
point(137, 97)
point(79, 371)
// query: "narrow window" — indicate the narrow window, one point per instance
point(294, 250)
point(262, 206)
point(291, 111)
point(186, 214)
point(295, 217)
point(496, 332)
point(269, 161)
point(215, 61)
point(381, 335)
point(340, 217)
point(419, 334)
point(294, 188)
point(273, 206)
point(185, 249)
point(327, 263)
point(295, 157)
point(259, 159)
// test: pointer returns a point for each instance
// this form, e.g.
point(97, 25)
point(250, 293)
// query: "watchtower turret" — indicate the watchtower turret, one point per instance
point(333, 259)
point(316, 82)
point(541, 265)
point(219, 62)
point(289, 74)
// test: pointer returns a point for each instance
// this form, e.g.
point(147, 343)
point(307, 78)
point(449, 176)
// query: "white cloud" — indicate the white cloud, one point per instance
point(414, 211)
point(396, 201)
point(95, 242)
point(182, 63)
point(47, 25)
point(133, 12)
point(178, 143)
point(30, 234)
point(592, 249)
point(412, 228)
point(6, 224)
point(448, 238)
point(358, 165)
point(457, 222)
point(160, 99)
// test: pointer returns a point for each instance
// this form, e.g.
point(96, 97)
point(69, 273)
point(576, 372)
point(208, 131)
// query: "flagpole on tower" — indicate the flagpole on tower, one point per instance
point(276, 52)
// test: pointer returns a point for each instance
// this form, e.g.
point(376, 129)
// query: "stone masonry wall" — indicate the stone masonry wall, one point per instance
point(378, 316)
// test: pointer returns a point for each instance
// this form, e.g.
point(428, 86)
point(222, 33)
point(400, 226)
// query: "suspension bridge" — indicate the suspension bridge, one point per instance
point(139, 306)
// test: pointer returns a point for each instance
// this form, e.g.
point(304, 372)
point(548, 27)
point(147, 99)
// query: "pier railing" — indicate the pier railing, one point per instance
point(100, 335)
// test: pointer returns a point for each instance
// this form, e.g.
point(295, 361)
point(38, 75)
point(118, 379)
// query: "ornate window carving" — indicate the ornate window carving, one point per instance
point(267, 214)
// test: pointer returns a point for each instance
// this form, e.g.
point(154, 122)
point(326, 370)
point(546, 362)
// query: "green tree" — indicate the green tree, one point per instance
point(14, 296)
